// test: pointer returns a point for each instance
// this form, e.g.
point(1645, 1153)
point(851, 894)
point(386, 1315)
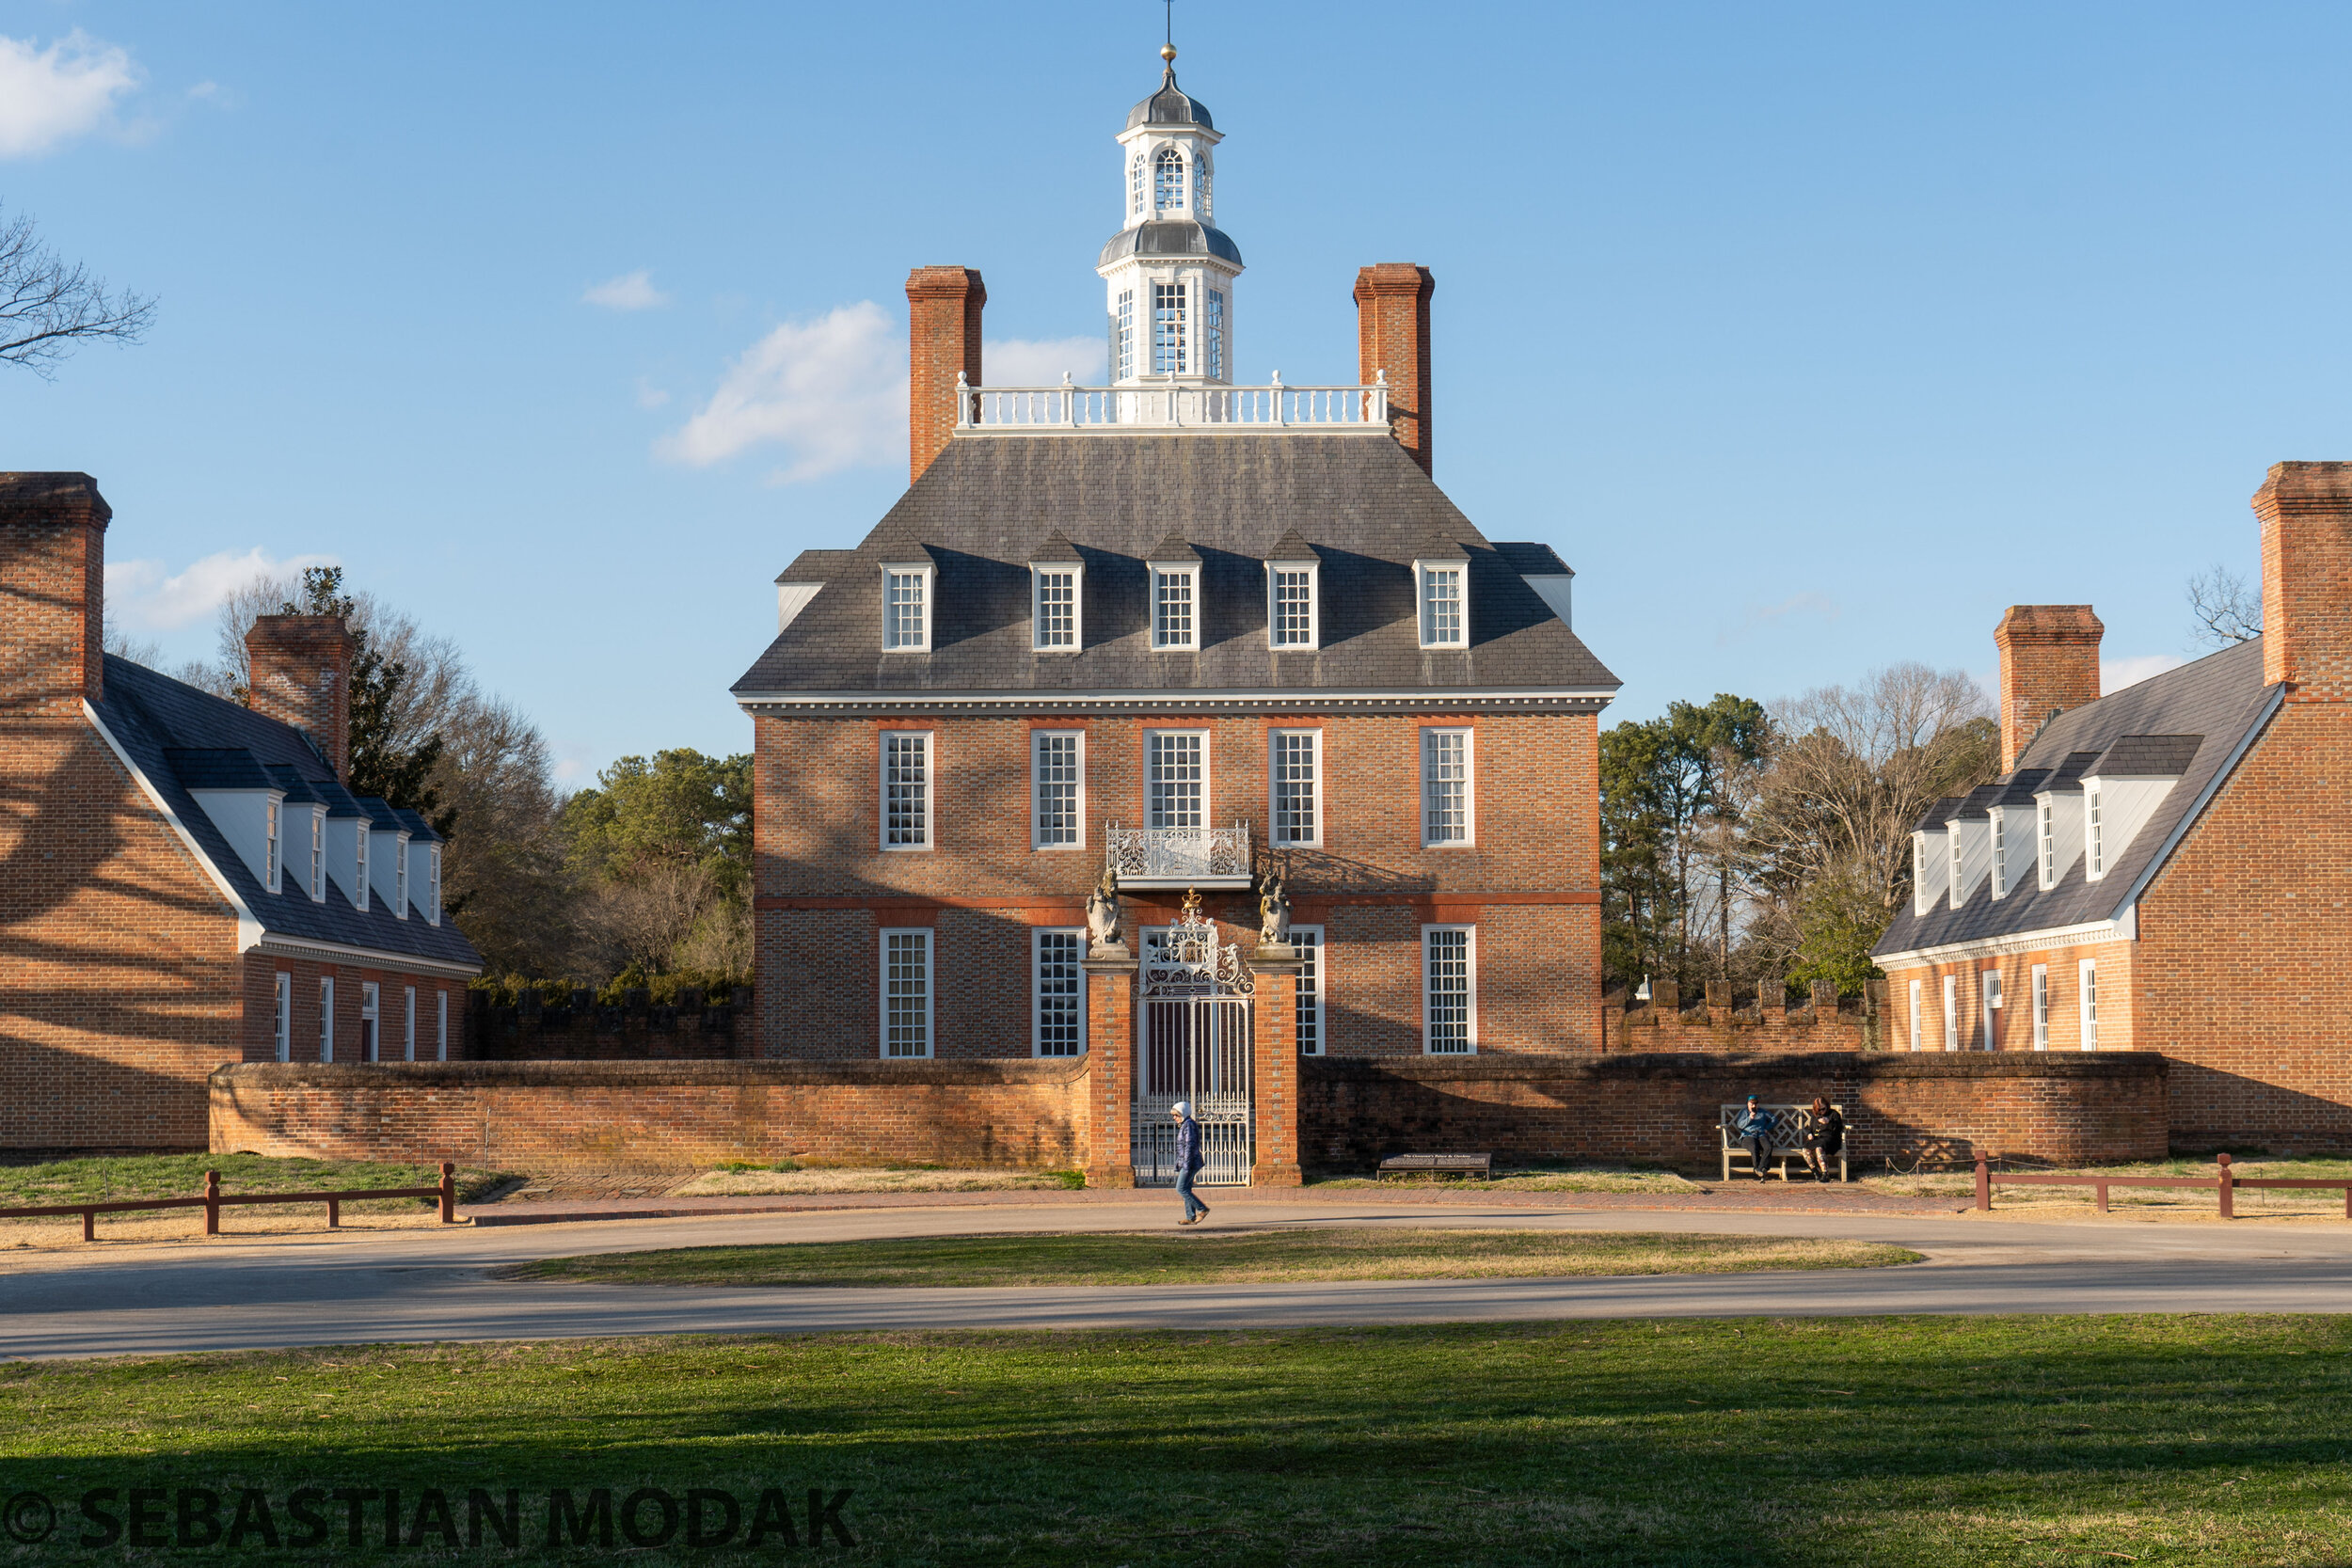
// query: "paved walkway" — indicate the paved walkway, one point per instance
point(236, 1292)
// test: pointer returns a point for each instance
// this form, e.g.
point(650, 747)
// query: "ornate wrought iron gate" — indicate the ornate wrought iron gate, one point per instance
point(1197, 1045)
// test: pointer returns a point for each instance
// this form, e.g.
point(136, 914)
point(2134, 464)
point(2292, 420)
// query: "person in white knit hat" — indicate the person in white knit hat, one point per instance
point(1187, 1162)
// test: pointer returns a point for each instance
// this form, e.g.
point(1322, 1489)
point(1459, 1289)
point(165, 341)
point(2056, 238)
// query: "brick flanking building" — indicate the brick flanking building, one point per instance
point(186, 882)
point(2168, 868)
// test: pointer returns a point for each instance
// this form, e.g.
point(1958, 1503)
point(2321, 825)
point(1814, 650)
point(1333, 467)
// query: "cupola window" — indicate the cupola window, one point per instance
point(1215, 321)
point(1200, 178)
point(1168, 184)
point(1135, 185)
point(1168, 328)
point(1126, 334)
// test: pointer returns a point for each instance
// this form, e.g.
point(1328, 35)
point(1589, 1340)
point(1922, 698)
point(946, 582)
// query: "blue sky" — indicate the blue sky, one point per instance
point(1812, 336)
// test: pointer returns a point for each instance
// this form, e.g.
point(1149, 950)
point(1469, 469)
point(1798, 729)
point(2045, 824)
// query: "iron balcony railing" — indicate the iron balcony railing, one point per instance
point(1178, 857)
point(1040, 410)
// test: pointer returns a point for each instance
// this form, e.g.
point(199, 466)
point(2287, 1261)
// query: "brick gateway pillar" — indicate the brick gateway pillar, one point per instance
point(1274, 1065)
point(1110, 974)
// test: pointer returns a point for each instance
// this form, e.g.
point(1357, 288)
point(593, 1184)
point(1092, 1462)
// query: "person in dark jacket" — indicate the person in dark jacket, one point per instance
point(1755, 1129)
point(1824, 1137)
point(1188, 1162)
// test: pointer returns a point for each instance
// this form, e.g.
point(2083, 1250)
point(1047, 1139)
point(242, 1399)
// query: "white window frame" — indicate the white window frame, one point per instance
point(400, 879)
point(1469, 786)
point(1996, 818)
point(2087, 1001)
point(928, 826)
point(1138, 183)
point(1952, 1012)
point(2042, 1007)
point(1126, 368)
point(318, 854)
point(1959, 858)
point(1039, 571)
point(1171, 325)
point(1470, 958)
point(1039, 938)
point(1212, 333)
point(1275, 797)
point(1915, 989)
point(1312, 642)
point(273, 848)
point(440, 1026)
point(281, 1024)
point(930, 992)
point(1037, 784)
point(408, 1024)
point(433, 885)
point(1208, 776)
point(371, 1022)
point(1989, 1001)
point(362, 831)
point(2094, 837)
point(1425, 602)
point(2045, 848)
point(894, 636)
point(1313, 990)
point(1169, 157)
point(1163, 640)
point(326, 1017)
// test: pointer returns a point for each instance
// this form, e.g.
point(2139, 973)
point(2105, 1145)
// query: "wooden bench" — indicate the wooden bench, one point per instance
point(1789, 1125)
point(1438, 1165)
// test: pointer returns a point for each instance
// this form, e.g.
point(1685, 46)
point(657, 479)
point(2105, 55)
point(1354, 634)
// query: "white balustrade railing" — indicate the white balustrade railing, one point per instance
point(1179, 856)
point(1023, 409)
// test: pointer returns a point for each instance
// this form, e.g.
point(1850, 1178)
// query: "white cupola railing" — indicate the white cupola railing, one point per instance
point(1149, 409)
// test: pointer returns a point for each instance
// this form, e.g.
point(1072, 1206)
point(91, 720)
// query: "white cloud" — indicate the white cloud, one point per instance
point(146, 595)
point(2116, 674)
point(50, 96)
point(831, 390)
point(1043, 362)
point(631, 291)
point(1759, 616)
point(649, 395)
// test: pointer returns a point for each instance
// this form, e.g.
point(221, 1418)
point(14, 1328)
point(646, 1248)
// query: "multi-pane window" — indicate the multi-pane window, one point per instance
point(432, 884)
point(1173, 608)
point(906, 802)
point(359, 893)
point(1445, 787)
point(906, 979)
point(1307, 1011)
point(1168, 328)
point(281, 1024)
point(1915, 1015)
point(906, 609)
point(1988, 993)
point(1448, 1010)
point(1060, 998)
point(1057, 777)
point(1136, 184)
point(270, 856)
point(1126, 331)
point(1298, 780)
point(1442, 623)
point(2000, 866)
point(1054, 617)
point(1291, 620)
point(2094, 845)
point(440, 1026)
point(400, 879)
point(326, 1013)
point(371, 1015)
point(1958, 852)
point(2047, 827)
point(1176, 777)
point(408, 1023)
point(1952, 1012)
point(318, 856)
point(2041, 1006)
point(2086, 976)
point(1201, 172)
point(1213, 321)
point(1167, 185)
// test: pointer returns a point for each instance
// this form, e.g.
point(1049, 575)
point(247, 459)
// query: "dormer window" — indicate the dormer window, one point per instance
point(1960, 857)
point(2000, 856)
point(1291, 604)
point(433, 885)
point(2094, 835)
point(318, 857)
point(1055, 605)
point(1444, 612)
point(1168, 181)
point(907, 609)
point(272, 856)
point(1175, 622)
point(359, 893)
point(2046, 822)
point(400, 881)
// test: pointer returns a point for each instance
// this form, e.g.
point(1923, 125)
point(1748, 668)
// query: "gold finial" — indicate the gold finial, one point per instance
point(1167, 53)
point(1190, 907)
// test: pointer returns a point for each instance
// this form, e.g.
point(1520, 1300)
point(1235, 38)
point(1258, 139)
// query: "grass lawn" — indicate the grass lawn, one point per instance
point(182, 1176)
point(1923, 1441)
point(1197, 1257)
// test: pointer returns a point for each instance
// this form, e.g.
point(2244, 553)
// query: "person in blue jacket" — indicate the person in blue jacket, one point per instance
point(1755, 1126)
point(1187, 1162)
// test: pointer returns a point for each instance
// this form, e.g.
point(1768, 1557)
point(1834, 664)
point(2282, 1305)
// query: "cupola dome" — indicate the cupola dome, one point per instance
point(1170, 106)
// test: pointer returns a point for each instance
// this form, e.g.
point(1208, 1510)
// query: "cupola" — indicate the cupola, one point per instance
point(1169, 270)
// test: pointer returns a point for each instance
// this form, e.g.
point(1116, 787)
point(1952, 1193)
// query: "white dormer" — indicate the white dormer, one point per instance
point(2129, 783)
point(2058, 833)
point(1176, 600)
point(1058, 598)
point(1441, 599)
point(253, 823)
point(1970, 848)
point(425, 878)
point(1552, 588)
point(2012, 848)
point(1294, 597)
point(347, 857)
point(388, 867)
point(908, 606)
point(312, 838)
point(1930, 867)
point(791, 598)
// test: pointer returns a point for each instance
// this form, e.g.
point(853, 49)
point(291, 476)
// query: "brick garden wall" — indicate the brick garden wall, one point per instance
point(1663, 1108)
point(1027, 1115)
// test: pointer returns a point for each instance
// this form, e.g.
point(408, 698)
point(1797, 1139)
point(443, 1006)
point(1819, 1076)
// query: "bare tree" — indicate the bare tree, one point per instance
point(50, 305)
point(2227, 611)
point(123, 646)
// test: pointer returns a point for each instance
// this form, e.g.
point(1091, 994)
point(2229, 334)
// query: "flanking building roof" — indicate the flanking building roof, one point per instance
point(987, 506)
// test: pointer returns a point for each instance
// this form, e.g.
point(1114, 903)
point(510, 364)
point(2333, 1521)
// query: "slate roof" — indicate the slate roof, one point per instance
point(2200, 715)
point(984, 507)
point(1169, 237)
point(2148, 756)
point(177, 735)
point(1170, 106)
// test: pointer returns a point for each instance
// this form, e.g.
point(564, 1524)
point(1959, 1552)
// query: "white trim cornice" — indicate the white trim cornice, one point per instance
point(370, 958)
point(2124, 928)
point(851, 705)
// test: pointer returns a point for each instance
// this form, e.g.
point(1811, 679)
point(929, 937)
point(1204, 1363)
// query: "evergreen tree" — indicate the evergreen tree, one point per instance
point(382, 765)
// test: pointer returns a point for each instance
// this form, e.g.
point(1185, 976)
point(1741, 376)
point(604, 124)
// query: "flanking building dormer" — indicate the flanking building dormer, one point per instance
point(2013, 818)
point(1169, 271)
point(244, 803)
point(1969, 841)
point(387, 856)
point(346, 843)
point(1293, 595)
point(1057, 578)
point(2122, 790)
point(2059, 820)
point(425, 865)
point(1932, 855)
point(302, 830)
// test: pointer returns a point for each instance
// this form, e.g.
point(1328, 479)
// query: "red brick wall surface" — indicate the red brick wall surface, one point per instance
point(2119, 1029)
point(943, 339)
point(1028, 1114)
point(261, 1008)
point(1393, 336)
point(2049, 663)
point(1664, 1108)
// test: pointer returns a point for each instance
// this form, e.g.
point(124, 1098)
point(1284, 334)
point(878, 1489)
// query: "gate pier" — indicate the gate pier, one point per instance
point(1276, 1069)
point(1110, 974)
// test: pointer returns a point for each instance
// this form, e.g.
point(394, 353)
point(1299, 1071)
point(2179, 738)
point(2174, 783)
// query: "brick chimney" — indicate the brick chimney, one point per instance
point(302, 676)
point(943, 338)
point(2306, 513)
point(52, 592)
point(1392, 335)
point(2049, 663)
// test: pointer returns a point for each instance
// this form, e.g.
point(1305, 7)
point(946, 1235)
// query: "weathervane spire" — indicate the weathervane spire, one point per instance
point(1167, 50)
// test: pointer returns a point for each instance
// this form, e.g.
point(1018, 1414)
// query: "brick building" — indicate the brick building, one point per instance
point(1200, 635)
point(188, 883)
point(2168, 868)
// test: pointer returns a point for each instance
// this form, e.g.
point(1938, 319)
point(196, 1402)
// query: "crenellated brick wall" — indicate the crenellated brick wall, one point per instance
point(1722, 1022)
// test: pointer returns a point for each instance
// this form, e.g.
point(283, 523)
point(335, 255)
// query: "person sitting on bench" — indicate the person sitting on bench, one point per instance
point(1824, 1136)
point(1755, 1126)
